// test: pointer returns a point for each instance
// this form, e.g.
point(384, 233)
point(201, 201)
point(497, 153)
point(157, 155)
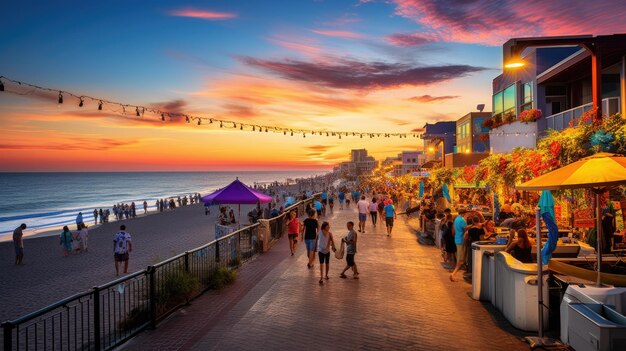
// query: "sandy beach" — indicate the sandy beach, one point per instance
point(47, 276)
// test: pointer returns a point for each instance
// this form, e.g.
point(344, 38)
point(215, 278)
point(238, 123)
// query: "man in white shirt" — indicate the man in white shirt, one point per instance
point(363, 207)
point(122, 246)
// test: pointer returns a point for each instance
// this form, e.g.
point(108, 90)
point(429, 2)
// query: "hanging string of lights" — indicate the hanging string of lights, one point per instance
point(140, 111)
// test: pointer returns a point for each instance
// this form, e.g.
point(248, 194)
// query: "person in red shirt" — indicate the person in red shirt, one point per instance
point(293, 228)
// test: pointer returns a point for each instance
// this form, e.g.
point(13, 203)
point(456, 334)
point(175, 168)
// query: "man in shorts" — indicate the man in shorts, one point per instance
point(342, 198)
point(18, 243)
point(461, 250)
point(350, 241)
point(310, 226)
point(318, 207)
point(122, 247)
point(390, 215)
point(363, 207)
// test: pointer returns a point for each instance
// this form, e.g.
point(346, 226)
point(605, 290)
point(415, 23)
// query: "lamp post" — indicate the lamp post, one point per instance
point(596, 46)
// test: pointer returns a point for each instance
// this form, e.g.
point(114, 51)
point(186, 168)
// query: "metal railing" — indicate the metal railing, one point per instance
point(561, 120)
point(110, 314)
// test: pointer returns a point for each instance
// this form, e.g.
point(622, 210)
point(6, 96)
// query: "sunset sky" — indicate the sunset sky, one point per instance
point(362, 66)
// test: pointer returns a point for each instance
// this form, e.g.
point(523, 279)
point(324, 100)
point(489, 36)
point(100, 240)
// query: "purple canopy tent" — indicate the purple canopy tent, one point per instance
point(236, 193)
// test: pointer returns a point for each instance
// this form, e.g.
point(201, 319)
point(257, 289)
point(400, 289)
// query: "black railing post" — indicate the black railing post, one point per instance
point(96, 319)
point(187, 261)
point(8, 335)
point(153, 303)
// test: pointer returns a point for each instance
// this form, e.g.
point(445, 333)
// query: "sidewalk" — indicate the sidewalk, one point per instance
point(404, 300)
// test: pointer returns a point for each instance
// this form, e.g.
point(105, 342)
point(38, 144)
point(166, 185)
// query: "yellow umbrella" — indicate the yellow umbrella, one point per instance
point(598, 172)
point(602, 170)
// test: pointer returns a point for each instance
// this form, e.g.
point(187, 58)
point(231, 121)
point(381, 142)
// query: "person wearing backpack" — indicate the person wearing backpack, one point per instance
point(350, 241)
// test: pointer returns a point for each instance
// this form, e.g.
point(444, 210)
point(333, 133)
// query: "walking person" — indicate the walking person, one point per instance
point(342, 198)
point(293, 228)
point(66, 241)
point(145, 207)
point(79, 220)
point(18, 243)
point(374, 211)
point(101, 214)
point(390, 216)
point(95, 215)
point(363, 208)
point(350, 240)
point(324, 243)
point(122, 247)
point(81, 239)
point(309, 228)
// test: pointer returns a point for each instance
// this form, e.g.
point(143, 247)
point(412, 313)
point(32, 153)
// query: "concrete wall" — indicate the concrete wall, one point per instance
point(509, 136)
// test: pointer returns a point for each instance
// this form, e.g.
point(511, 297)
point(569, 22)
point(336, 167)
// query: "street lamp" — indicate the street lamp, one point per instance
point(596, 46)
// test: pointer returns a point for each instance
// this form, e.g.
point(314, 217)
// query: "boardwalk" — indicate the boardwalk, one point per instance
point(403, 300)
point(48, 277)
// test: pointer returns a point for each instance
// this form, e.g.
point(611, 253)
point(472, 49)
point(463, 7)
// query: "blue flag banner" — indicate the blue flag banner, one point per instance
point(446, 192)
point(553, 237)
point(546, 205)
point(421, 189)
point(496, 206)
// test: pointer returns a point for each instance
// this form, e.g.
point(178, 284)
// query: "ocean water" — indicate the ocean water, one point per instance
point(46, 200)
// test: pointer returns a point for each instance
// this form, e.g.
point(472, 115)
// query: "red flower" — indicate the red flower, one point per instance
point(555, 148)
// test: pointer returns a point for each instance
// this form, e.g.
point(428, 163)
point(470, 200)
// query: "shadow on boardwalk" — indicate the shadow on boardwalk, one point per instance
point(403, 300)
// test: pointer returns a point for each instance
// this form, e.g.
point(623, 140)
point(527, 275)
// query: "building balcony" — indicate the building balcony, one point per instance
point(561, 120)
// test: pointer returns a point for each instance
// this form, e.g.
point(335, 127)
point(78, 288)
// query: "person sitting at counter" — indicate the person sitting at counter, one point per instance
point(520, 248)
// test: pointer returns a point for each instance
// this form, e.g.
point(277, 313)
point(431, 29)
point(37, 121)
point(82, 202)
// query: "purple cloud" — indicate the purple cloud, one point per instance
point(428, 98)
point(353, 74)
point(408, 39)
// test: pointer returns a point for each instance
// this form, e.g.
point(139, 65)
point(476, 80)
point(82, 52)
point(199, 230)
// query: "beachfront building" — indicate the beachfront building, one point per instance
point(471, 135)
point(557, 81)
point(408, 162)
point(360, 163)
point(439, 139)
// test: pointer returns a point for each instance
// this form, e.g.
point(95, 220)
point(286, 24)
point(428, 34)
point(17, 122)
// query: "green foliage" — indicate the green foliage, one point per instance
point(221, 278)
point(175, 288)
point(137, 317)
point(440, 176)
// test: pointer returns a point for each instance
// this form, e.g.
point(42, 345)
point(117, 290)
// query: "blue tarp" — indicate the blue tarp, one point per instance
point(446, 192)
point(421, 189)
point(546, 204)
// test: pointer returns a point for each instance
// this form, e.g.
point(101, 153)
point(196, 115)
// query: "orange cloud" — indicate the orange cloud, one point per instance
point(429, 99)
point(205, 15)
point(299, 45)
point(338, 34)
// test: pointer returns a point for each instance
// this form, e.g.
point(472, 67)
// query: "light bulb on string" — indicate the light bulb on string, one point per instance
point(162, 118)
point(187, 119)
point(137, 111)
point(265, 129)
point(241, 127)
point(254, 128)
point(221, 124)
point(210, 120)
point(285, 132)
point(304, 135)
point(339, 135)
point(234, 125)
point(60, 98)
point(292, 133)
point(326, 133)
point(199, 121)
point(100, 106)
point(1, 85)
point(81, 103)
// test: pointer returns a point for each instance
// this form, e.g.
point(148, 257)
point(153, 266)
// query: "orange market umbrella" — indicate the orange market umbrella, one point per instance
point(597, 172)
point(602, 170)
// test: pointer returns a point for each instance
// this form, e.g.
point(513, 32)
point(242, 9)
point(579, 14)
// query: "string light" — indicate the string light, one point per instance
point(140, 112)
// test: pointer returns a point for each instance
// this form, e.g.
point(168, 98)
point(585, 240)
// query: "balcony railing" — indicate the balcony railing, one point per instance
point(561, 120)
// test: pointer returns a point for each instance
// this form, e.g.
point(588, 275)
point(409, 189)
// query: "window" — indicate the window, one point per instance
point(504, 104)
point(527, 96)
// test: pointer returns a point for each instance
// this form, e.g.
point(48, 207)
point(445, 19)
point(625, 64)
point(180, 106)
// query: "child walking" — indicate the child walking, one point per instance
point(350, 241)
